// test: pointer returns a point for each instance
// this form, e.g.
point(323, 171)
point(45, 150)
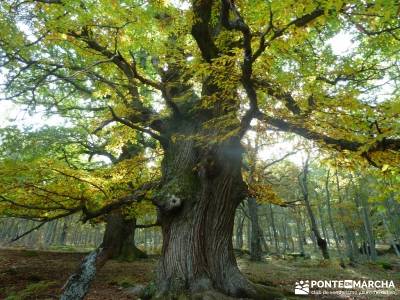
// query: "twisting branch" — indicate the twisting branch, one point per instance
point(276, 91)
point(125, 200)
point(299, 22)
point(278, 160)
point(157, 85)
point(142, 79)
point(87, 214)
point(128, 68)
point(247, 64)
point(201, 29)
point(361, 28)
point(83, 180)
point(271, 89)
point(136, 127)
point(262, 44)
point(31, 207)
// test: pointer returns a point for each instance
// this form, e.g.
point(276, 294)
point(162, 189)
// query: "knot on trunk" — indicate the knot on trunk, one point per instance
point(171, 203)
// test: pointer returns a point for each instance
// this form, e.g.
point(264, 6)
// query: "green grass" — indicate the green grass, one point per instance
point(31, 291)
point(30, 253)
point(123, 281)
point(69, 248)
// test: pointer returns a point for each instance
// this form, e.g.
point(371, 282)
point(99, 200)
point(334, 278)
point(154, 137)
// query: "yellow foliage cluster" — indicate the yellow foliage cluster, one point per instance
point(264, 193)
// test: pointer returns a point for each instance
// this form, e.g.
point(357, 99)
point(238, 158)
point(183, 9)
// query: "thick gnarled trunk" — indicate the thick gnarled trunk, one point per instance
point(197, 220)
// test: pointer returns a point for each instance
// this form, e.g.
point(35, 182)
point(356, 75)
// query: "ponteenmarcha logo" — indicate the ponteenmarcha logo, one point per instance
point(302, 287)
point(350, 287)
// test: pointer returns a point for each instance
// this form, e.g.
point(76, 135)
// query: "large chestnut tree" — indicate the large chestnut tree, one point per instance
point(195, 76)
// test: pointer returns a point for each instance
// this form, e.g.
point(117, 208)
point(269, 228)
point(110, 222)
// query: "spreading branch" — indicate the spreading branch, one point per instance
point(138, 195)
point(386, 144)
point(60, 216)
point(134, 126)
point(28, 232)
point(299, 22)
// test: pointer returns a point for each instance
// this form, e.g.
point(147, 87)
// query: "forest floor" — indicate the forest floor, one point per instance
point(28, 274)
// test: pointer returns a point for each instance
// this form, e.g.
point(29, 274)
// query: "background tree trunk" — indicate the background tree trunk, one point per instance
point(239, 232)
point(300, 235)
point(274, 231)
point(119, 238)
point(256, 234)
point(319, 240)
point(368, 245)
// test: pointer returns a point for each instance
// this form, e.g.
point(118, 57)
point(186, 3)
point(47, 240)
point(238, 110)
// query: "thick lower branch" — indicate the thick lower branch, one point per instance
point(79, 283)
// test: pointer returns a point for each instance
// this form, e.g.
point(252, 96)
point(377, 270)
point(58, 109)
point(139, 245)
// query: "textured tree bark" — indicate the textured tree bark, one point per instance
point(197, 216)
